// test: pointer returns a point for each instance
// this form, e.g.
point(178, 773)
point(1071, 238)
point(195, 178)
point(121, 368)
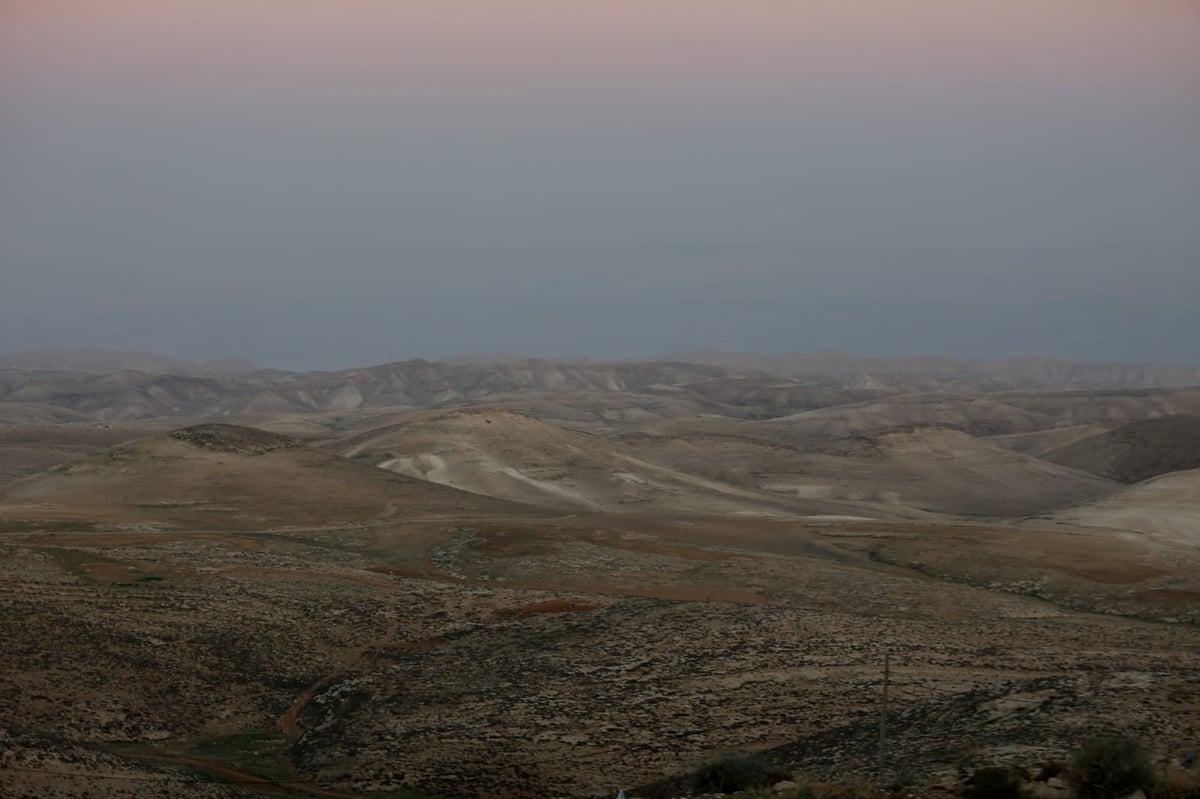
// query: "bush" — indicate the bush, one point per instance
point(1051, 770)
point(993, 783)
point(1176, 782)
point(1110, 768)
point(730, 774)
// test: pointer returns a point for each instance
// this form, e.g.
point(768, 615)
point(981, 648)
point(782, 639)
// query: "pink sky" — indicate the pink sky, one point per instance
point(985, 176)
point(605, 43)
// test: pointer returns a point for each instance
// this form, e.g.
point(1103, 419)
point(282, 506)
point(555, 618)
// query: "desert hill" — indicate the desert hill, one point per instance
point(1039, 442)
point(662, 389)
point(615, 572)
point(122, 395)
point(412, 384)
point(32, 414)
point(1136, 451)
point(1167, 508)
point(510, 455)
point(979, 415)
point(28, 450)
point(903, 471)
point(1033, 372)
point(1108, 407)
point(893, 474)
point(1028, 421)
point(226, 477)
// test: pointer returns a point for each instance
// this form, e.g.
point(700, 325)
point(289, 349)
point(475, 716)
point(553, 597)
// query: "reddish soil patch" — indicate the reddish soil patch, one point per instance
point(1112, 573)
point(289, 722)
point(510, 543)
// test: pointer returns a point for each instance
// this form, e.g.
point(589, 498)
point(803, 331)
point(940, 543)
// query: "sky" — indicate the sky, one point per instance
point(331, 183)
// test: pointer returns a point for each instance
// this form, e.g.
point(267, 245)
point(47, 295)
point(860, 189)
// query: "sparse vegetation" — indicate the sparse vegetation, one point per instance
point(994, 782)
point(251, 753)
point(1110, 768)
point(1050, 770)
point(730, 774)
point(188, 612)
point(1176, 782)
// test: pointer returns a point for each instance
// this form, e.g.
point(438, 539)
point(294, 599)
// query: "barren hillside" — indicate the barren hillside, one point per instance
point(510, 455)
point(221, 477)
point(534, 579)
point(1136, 451)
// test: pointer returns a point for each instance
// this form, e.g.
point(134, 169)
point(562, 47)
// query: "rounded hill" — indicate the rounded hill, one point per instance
point(1136, 451)
point(220, 477)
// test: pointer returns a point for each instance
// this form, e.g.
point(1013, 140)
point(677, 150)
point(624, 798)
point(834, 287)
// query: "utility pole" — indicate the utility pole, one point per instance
point(883, 712)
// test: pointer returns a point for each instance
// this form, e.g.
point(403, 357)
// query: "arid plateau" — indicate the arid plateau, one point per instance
point(519, 578)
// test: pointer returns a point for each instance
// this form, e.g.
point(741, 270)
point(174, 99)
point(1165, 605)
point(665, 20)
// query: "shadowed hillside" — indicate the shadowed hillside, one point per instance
point(1136, 451)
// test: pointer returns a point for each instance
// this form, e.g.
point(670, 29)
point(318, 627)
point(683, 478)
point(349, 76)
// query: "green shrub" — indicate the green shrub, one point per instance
point(1110, 768)
point(730, 774)
point(993, 783)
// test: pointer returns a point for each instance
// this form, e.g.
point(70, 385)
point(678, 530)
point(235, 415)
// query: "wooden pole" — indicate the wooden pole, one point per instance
point(883, 713)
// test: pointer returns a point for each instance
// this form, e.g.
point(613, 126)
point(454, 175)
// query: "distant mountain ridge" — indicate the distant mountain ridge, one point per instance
point(133, 394)
point(159, 386)
point(849, 370)
point(1028, 371)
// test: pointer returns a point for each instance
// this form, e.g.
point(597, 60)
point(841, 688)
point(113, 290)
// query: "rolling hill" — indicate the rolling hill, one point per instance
point(900, 472)
point(1165, 508)
point(1136, 451)
point(504, 454)
point(224, 477)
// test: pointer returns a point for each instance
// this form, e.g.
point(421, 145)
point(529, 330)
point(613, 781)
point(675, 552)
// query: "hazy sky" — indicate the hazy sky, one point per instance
point(326, 183)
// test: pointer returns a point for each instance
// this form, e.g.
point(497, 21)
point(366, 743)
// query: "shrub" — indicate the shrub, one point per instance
point(1051, 770)
point(730, 774)
point(1110, 768)
point(1176, 782)
point(993, 783)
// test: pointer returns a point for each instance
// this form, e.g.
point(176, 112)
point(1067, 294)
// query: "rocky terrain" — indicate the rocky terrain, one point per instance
point(561, 582)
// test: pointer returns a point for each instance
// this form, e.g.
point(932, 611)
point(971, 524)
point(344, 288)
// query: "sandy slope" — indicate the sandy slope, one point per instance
point(1039, 442)
point(891, 474)
point(32, 414)
point(1166, 508)
point(905, 473)
point(225, 477)
point(977, 414)
point(510, 455)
